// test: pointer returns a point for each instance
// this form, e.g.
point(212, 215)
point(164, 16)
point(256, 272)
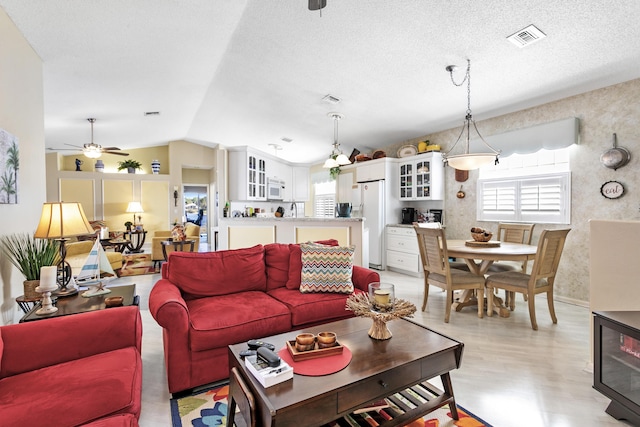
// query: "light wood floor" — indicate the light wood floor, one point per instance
point(510, 374)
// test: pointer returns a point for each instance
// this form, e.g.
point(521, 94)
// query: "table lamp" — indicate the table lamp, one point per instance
point(134, 208)
point(59, 221)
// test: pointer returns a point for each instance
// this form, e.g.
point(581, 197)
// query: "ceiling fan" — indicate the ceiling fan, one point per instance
point(93, 150)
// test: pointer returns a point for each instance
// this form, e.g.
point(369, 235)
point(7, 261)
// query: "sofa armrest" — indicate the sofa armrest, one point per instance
point(361, 277)
point(33, 345)
point(168, 307)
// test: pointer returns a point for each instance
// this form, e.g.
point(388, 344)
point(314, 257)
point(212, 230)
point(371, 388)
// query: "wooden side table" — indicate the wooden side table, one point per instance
point(135, 241)
point(27, 304)
point(178, 245)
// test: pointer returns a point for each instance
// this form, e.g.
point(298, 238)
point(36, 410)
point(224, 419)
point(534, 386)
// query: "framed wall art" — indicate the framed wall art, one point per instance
point(9, 166)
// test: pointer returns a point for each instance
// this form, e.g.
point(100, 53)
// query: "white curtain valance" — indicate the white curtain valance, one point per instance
point(550, 136)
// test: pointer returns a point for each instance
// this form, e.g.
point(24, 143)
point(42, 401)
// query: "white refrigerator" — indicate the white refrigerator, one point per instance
point(373, 209)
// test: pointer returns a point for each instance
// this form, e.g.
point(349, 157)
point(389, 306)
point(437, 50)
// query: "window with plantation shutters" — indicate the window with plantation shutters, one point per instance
point(539, 199)
point(324, 202)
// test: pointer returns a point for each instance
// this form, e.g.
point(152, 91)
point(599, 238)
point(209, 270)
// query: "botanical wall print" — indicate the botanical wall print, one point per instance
point(9, 165)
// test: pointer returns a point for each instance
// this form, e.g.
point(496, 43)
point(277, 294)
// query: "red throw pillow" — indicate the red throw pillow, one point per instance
point(295, 262)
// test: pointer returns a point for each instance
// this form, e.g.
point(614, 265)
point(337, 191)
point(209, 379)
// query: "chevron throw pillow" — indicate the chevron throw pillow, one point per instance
point(326, 268)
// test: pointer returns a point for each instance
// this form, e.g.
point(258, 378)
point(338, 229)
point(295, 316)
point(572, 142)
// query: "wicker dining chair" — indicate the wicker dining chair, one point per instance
point(435, 261)
point(540, 280)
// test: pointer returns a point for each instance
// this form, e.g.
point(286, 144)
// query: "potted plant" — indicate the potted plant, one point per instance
point(130, 165)
point(128, 224)
point(28, 254)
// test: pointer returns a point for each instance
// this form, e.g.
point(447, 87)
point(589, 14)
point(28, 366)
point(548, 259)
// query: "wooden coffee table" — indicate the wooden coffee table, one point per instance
point(378, 369)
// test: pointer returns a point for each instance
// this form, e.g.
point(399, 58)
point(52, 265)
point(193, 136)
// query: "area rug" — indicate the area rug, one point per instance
point(209, 408)
point(137, 264)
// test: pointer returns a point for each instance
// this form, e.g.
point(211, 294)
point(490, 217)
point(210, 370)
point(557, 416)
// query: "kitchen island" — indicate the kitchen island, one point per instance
point(244, 232)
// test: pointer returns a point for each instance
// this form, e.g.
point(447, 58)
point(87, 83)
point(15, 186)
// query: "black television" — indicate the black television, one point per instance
point(616, 367)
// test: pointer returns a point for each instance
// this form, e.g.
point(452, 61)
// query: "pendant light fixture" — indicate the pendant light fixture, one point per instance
point(468, 160)
point(336, 158)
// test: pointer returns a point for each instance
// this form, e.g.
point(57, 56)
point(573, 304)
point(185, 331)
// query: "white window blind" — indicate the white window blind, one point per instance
point(324, 203)
point(540, 199)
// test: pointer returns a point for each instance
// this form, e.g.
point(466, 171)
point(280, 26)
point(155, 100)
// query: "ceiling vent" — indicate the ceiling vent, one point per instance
point(285, 139)
point(331, 99)
point(526, 36)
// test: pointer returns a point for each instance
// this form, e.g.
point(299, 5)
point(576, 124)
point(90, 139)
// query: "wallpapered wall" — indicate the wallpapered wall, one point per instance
point(601, 113)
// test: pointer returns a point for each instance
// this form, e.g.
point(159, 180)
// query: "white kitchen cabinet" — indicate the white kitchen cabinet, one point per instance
point(300, 184)
point(421, 177)
point(372, 170)
point(345, 188)
point(403, 253)
point(247, 175)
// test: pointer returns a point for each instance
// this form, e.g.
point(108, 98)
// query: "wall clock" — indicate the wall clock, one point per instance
point(612, 189)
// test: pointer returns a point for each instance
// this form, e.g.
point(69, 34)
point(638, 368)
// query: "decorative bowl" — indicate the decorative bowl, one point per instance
point(305, 339)
point(326, 338)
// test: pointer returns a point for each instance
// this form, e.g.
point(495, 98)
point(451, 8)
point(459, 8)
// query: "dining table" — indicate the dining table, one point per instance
point(479, 256)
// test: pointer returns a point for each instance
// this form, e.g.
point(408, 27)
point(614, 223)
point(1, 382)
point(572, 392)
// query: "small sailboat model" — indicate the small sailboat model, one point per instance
point(95, 272)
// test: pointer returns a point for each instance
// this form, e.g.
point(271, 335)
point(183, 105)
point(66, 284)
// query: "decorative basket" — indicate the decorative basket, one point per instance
point(30, 289)
point(482, 237)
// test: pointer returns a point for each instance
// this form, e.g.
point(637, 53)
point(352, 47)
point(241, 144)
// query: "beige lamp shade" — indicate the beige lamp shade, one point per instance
point(60, 219)
point(134, 207)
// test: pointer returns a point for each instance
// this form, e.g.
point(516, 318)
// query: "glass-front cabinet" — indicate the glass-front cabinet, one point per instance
point(247, 175)
point(421, 177)
point(257, 178)
point(616, 370)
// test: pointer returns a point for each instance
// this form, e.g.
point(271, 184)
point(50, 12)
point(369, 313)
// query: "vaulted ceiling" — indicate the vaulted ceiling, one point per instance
point(255, 72)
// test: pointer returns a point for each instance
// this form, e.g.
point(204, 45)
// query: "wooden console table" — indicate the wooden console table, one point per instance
point(378, 368)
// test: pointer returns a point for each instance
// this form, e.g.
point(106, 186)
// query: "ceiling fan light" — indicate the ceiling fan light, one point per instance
point(330, 163)
point(342, 160)
point(92, 153)
point(471, 161)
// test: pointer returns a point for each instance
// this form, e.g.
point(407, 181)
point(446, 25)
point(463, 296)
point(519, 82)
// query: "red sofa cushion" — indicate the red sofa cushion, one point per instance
point(276, 258)
point(295, 262)
point(226, 319)
point(222, 273)
point(313, 308)
point(75, 392)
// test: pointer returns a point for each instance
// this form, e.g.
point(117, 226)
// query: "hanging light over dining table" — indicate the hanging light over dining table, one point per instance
point(468, 160)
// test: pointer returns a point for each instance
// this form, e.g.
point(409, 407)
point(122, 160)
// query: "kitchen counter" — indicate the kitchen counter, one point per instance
point(241, 232)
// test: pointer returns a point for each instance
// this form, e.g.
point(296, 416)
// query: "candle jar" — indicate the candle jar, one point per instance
point(381, 296)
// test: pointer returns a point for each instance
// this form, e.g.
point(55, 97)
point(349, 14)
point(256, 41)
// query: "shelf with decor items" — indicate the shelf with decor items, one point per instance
point(421, 177)
point(403, 253)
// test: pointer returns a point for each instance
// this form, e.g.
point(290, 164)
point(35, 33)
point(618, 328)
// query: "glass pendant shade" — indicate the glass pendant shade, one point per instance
point(342, 160)
point(330, 163)
point(92, 152)
point(470, 161)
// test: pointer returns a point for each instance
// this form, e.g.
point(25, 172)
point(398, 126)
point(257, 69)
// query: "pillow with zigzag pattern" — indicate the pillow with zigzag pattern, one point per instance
point(326, 268)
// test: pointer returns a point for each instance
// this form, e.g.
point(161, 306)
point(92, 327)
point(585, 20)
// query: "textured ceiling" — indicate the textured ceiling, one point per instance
point(251, 72)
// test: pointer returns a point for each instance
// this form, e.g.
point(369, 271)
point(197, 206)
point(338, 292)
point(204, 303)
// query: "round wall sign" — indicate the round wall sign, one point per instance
point(612, 189)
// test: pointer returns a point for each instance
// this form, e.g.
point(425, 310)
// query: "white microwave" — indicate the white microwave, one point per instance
point(275, 189)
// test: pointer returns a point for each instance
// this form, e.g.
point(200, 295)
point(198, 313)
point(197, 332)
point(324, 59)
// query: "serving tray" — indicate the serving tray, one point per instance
point(489, 244)
point(299, 356)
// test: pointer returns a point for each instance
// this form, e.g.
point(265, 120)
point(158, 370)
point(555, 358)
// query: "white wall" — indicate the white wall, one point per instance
point(21, 114)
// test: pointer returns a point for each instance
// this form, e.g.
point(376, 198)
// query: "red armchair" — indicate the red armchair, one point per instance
point(83, 369)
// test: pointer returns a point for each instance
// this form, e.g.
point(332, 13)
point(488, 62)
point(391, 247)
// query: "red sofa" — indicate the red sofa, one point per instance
point(206, 301)
point(78, 370)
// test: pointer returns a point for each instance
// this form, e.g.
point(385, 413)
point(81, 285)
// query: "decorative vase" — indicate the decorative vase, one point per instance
point(155, 166)
point(177, 234)
point(99, 166)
